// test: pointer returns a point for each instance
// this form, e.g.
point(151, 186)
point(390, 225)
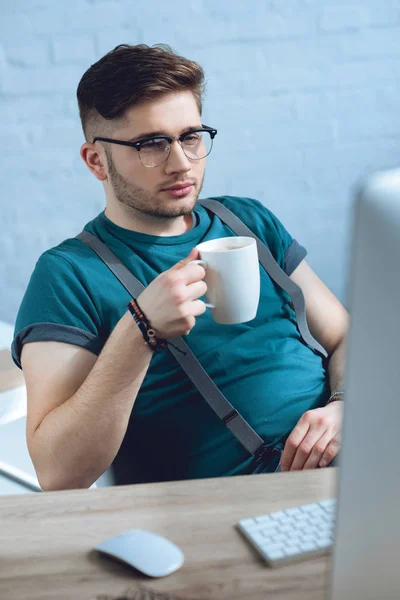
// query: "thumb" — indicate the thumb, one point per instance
point(194, 255)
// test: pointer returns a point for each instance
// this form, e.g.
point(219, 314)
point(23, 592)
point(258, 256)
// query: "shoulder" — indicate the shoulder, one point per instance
point(69, 251)
point(265, 224)
point(57, 292)
point(71, 259)
point(71, 254)
point(260, 219)
point(244, 206)
point(60, 302)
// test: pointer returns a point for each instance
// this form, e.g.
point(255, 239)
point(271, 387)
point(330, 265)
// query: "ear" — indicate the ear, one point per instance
point(95, 159)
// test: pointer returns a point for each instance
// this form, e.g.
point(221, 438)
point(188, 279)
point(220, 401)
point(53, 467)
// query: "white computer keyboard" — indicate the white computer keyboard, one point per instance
point(293, 534)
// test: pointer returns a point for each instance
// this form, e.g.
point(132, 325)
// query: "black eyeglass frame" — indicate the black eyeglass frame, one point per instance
point(137, 145)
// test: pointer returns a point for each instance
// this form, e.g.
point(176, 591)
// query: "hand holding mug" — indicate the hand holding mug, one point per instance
point(170, 302)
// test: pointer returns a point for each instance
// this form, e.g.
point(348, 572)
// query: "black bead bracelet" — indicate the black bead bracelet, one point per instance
point(145, 327)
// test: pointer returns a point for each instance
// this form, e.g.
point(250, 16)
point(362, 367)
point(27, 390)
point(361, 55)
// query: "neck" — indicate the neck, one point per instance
point(133, 220)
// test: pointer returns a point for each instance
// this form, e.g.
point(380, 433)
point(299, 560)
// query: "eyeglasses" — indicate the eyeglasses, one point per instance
point(153, 151)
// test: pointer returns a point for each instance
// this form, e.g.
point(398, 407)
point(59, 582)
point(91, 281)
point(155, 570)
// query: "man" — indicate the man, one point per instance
point(98, 395)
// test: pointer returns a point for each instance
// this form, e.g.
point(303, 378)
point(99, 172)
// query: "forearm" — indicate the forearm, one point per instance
point(77, 441)
point(336, 366)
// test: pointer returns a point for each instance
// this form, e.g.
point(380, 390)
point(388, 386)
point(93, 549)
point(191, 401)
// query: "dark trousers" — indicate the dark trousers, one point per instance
point(269, 462)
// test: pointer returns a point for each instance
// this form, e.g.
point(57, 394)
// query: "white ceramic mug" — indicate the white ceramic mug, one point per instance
point(232, 278)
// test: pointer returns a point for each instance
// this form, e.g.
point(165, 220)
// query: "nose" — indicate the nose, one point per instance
point(177, 161)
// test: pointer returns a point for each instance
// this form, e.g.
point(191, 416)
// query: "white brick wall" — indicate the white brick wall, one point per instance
point(305, 94)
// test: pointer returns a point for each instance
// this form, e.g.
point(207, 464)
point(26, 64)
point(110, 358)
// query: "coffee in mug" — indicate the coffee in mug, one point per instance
point(226, 248)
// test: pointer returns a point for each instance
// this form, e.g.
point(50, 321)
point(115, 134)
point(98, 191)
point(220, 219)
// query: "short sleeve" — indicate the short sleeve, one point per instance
point(293, 256)
point(57, 306)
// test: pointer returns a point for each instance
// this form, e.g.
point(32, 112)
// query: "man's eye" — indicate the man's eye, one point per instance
point(192, 138)
point(153, 144)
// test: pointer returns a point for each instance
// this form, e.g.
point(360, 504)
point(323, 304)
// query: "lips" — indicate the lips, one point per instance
point(179, 189)
point(178, 186)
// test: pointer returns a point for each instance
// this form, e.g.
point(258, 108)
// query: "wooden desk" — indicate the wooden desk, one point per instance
point(47, 539)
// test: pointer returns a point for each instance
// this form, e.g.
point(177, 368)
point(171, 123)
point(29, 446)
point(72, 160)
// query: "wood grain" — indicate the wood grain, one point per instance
point(48, 539)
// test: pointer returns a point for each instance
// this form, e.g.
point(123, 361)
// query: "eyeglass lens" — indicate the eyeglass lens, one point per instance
point(195, 145)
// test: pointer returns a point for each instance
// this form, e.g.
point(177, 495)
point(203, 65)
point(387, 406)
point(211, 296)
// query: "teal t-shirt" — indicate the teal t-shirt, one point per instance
point(262, 367)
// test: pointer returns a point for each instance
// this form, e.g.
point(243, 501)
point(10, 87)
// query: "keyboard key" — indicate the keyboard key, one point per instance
point(291, 550)
point(274, 554)
point(318, 522)
point(306, 530)
point(269, 530)
point(324, 543)
point(279, 538)
point(308, 546)
point(276, 516)
point(322, 534)
point(290, 519)
point(310, 508)
point(274, 548)
point(307, 537)
point(293, 512)
point(258, 538)
point(293, 539)
point(302, 518)
point(286, 528)
point(269, 541)
point(263, 519)
point(248, 523)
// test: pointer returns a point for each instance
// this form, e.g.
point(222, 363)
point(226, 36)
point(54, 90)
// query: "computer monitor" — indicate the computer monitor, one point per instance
point(366, 555)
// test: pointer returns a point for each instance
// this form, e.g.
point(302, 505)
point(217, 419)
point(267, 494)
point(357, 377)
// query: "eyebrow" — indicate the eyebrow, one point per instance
point(149, 134)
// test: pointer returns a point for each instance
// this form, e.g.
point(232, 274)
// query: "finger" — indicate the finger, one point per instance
point(196, 290)
point(293, 441)
point(318, 450)
point(191, 273)
point(194, 255)
point(305, 448)
point(197, 308)
point(331, 451)
point(190, 322)
point(187, 313)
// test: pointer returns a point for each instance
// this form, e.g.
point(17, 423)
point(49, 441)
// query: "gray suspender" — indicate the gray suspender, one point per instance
point(178, 347)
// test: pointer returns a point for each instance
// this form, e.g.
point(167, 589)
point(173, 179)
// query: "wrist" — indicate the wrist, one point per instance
point(145, 328)
point(336, 395)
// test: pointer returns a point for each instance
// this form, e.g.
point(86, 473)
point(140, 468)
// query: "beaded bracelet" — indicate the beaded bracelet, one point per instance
point(145, 327)
point(334, 396)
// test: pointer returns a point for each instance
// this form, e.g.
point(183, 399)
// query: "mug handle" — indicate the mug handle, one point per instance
point(204, 265)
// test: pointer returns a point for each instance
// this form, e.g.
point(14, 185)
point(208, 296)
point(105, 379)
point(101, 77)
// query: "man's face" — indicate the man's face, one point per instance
point(145, 189)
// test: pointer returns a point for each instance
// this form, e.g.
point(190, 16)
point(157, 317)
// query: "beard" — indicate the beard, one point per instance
point(136, 199)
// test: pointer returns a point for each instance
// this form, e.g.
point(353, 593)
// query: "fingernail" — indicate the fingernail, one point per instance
point(283, 469)
point(322, 464)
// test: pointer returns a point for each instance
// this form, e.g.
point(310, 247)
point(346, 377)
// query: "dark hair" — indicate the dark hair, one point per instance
point(128, 75)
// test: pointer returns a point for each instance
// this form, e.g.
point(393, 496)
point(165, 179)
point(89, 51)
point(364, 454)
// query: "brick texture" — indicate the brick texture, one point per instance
point(305, 95)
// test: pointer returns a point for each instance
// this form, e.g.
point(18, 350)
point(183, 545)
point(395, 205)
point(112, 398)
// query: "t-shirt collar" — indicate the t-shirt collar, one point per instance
point(200, 217)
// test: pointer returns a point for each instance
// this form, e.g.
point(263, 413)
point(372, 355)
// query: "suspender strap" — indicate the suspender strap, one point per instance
point(271, 267)
point(183, 354)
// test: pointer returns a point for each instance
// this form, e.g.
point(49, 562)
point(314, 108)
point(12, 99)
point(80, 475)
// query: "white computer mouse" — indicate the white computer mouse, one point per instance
point(148, 552)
